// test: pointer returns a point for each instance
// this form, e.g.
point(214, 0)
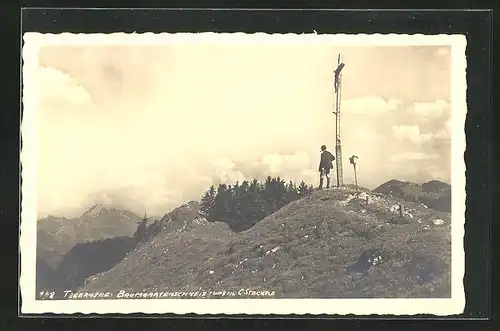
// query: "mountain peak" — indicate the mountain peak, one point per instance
point(95, 210)
point(435, 186)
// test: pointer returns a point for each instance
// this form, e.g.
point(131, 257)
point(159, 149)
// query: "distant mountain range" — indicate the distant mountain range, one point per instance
point(434, 194)
point(57, 235)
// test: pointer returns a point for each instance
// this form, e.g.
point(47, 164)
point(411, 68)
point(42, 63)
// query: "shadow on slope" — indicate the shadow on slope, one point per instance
point(56, 236)
point(175, 256)
point(47, 279)
point(82, 261)
point(324, 246)
point(52, 247)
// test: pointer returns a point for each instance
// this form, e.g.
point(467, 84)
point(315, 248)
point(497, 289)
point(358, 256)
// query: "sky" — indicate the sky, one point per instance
point(150, 127)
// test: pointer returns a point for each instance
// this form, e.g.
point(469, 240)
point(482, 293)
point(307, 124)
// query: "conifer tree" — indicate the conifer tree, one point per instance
point(282, 198)
point(140, 232)
point(240, 200)
point(204, 203)
point(220, 207)
point(291, 193)
point(303, 189)
point(207, 201)
point(253, 201)
point(311, 189)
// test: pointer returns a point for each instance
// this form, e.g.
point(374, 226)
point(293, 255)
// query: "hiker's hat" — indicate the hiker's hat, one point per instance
point(323, 147)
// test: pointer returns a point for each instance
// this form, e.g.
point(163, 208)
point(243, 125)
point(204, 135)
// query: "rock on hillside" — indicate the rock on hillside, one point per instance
point(327, 245)
point(57, 235)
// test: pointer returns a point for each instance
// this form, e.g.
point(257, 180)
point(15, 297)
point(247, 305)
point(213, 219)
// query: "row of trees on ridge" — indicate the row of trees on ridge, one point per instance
point(250, 201)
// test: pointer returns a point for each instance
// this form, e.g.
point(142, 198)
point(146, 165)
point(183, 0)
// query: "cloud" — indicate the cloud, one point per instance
point(276, 163)
point(430, 109)
point(152, 127)
point(224, 171)
point(442, 52)
point(417, 167)
point(222, 164)
point(412, 157)
point(411, 133)
point(444, 133)
point(374, 106)
point(61, 92)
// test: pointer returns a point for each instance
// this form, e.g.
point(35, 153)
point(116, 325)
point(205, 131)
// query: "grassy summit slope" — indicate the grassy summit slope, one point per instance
point(327, 245)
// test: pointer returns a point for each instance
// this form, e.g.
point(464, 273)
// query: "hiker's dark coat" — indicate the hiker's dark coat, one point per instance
point(326, 162)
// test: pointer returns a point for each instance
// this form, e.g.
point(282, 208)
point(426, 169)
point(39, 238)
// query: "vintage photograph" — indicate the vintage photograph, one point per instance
point(200, 172)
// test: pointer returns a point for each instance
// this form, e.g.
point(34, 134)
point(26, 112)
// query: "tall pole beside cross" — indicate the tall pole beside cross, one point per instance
point(337, 79)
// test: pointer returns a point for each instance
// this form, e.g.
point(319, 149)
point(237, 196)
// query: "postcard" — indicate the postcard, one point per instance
point(233, 173)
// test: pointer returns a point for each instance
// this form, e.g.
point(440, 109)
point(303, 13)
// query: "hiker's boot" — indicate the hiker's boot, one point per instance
point(328, 183)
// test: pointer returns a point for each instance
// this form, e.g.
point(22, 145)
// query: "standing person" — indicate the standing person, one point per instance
point(325, 165)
